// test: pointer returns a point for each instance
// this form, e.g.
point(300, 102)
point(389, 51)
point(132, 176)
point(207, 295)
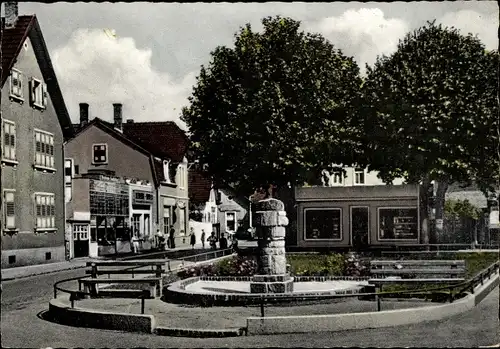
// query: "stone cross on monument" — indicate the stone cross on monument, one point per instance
point(270, 222)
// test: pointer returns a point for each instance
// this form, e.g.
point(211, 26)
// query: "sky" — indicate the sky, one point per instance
point(147, 55)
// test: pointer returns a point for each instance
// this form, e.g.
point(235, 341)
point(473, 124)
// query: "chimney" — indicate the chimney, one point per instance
point(11, 14)
point(117, 116)
point(84, 114)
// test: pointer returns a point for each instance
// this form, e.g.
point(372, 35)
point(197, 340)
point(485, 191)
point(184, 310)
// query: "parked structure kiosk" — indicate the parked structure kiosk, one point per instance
point(357, 216)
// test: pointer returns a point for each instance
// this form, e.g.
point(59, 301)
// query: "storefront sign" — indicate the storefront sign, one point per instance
point(142, 197)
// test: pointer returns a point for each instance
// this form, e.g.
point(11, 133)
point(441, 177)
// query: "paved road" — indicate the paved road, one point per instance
point(24, 299)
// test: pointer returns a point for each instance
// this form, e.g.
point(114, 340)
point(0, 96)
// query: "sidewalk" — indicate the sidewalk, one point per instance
point(32, 270)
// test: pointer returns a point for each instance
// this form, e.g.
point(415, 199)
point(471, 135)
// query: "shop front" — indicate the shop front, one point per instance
point(141, 218)
point(357, 217)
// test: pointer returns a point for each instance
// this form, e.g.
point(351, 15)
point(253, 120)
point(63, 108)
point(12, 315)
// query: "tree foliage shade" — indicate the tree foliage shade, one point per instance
point(462, 209)
point(277, 108)
point(430, 109)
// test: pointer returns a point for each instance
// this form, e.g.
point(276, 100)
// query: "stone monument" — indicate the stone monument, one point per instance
point(270, 222)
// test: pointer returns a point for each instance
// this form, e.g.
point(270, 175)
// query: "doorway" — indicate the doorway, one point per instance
point(81, 240)
point(360, 227)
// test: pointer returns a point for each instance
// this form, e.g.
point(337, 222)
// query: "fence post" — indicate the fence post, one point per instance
point(481, 276)
point(94, 271)
point(262, 307)
point(377, 298)
point(143, 300)
point(168, 263)
point(55, 292)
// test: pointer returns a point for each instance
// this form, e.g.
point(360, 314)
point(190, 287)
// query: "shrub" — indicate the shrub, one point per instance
point(355, 265)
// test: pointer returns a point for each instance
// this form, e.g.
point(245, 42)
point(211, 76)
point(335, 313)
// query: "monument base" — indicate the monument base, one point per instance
point(271, 284)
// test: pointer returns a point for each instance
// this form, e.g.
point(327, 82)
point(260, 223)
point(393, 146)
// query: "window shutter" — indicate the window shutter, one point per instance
point(10, 214)
point(32, 92)
point(45, 95)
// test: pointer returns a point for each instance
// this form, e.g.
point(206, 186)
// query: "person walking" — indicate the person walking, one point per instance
point(193, 238)
point(212, 240)
point(172, 237)
point(222, 242)
point(135, 243)
point(203, 238)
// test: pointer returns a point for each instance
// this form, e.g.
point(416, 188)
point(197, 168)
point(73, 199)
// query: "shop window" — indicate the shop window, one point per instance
point(12, 259)
point(80, 232)
point(230, 221)
point(397, 223)
point(48, 256)
point(323, 223)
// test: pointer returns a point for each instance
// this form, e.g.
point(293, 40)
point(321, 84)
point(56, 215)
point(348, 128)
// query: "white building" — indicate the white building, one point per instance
point(353, 176)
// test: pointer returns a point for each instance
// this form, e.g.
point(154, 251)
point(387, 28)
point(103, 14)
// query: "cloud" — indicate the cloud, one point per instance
point(468, 21)
point(100, 69)
point(362, 34)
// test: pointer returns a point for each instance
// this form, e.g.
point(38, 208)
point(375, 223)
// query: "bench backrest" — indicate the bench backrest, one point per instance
point(145, 263)
point(419, 267)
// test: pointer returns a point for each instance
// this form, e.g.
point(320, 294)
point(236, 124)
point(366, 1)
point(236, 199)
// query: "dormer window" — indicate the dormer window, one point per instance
point(166, 170)
point(16, 85)
point(38, 94)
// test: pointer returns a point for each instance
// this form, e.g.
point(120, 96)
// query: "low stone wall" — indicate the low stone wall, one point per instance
point(64, 314)
point(177, 293)
point(342, 322)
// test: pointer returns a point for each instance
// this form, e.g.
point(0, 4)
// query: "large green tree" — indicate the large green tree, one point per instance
point(275, 109)
point(429, 112)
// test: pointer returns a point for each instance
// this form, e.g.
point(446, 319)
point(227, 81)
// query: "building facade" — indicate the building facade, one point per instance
point(34, 123)
point(358, 216)
point(354, 176)
point(156, 187)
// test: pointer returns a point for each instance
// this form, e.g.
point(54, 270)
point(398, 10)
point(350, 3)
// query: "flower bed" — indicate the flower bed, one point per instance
point(300, 265)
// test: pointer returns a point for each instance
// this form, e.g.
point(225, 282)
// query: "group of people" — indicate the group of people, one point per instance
point(213, 240)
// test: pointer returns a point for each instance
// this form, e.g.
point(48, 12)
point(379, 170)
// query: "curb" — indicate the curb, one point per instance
point(42, 272)
point(357, 321)
point(195, 333)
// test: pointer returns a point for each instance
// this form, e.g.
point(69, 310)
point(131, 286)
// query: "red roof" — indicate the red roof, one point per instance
point(12, 42)
point(199, 187)
point(162, 139)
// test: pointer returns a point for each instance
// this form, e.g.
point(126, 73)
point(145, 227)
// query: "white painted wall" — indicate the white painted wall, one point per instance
point(350, 179)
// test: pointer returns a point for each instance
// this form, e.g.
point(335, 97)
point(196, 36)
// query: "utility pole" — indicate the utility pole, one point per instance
point(1, 118)
point(498, 148)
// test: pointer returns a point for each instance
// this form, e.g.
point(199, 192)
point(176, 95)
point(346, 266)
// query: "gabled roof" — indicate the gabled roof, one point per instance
point(156, 166)
point(163, 139)
point(12, 42)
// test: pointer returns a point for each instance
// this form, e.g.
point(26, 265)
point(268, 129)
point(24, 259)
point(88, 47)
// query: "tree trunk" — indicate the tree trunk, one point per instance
point(287, 196)
point(439, 204)
point(424, 210)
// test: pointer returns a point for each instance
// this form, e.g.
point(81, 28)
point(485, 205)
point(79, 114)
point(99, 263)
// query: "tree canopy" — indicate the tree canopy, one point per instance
point(277, 108)
point(430, 108)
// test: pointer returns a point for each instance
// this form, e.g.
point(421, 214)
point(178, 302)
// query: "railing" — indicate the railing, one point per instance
point(468, 285)
point(78, 294)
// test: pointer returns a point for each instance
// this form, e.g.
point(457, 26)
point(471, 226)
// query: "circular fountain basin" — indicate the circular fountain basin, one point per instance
point(235, 291)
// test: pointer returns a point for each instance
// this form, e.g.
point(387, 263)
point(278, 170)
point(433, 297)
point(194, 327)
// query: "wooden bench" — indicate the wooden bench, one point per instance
point(157, 267)
point(416, 271)
point(90, 285)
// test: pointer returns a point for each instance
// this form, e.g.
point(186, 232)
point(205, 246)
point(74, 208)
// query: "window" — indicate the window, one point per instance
point(323, 224)
point(182, 221)
point(167, 213)
point(9, 140)
point(77, 169)
point(166, 170)
point(359, 176)
point(100, 154)
point(48, 256)
point(38, 94)
point(214, 215)
point(68, 171)
point(9, 209)
point(398, 223)
point(337, 177)
point(16, 85)
point(44, 150)
point(45, 212)
point(136, 223)
point(80, 232)
point(230, 221)
point(182, 176)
